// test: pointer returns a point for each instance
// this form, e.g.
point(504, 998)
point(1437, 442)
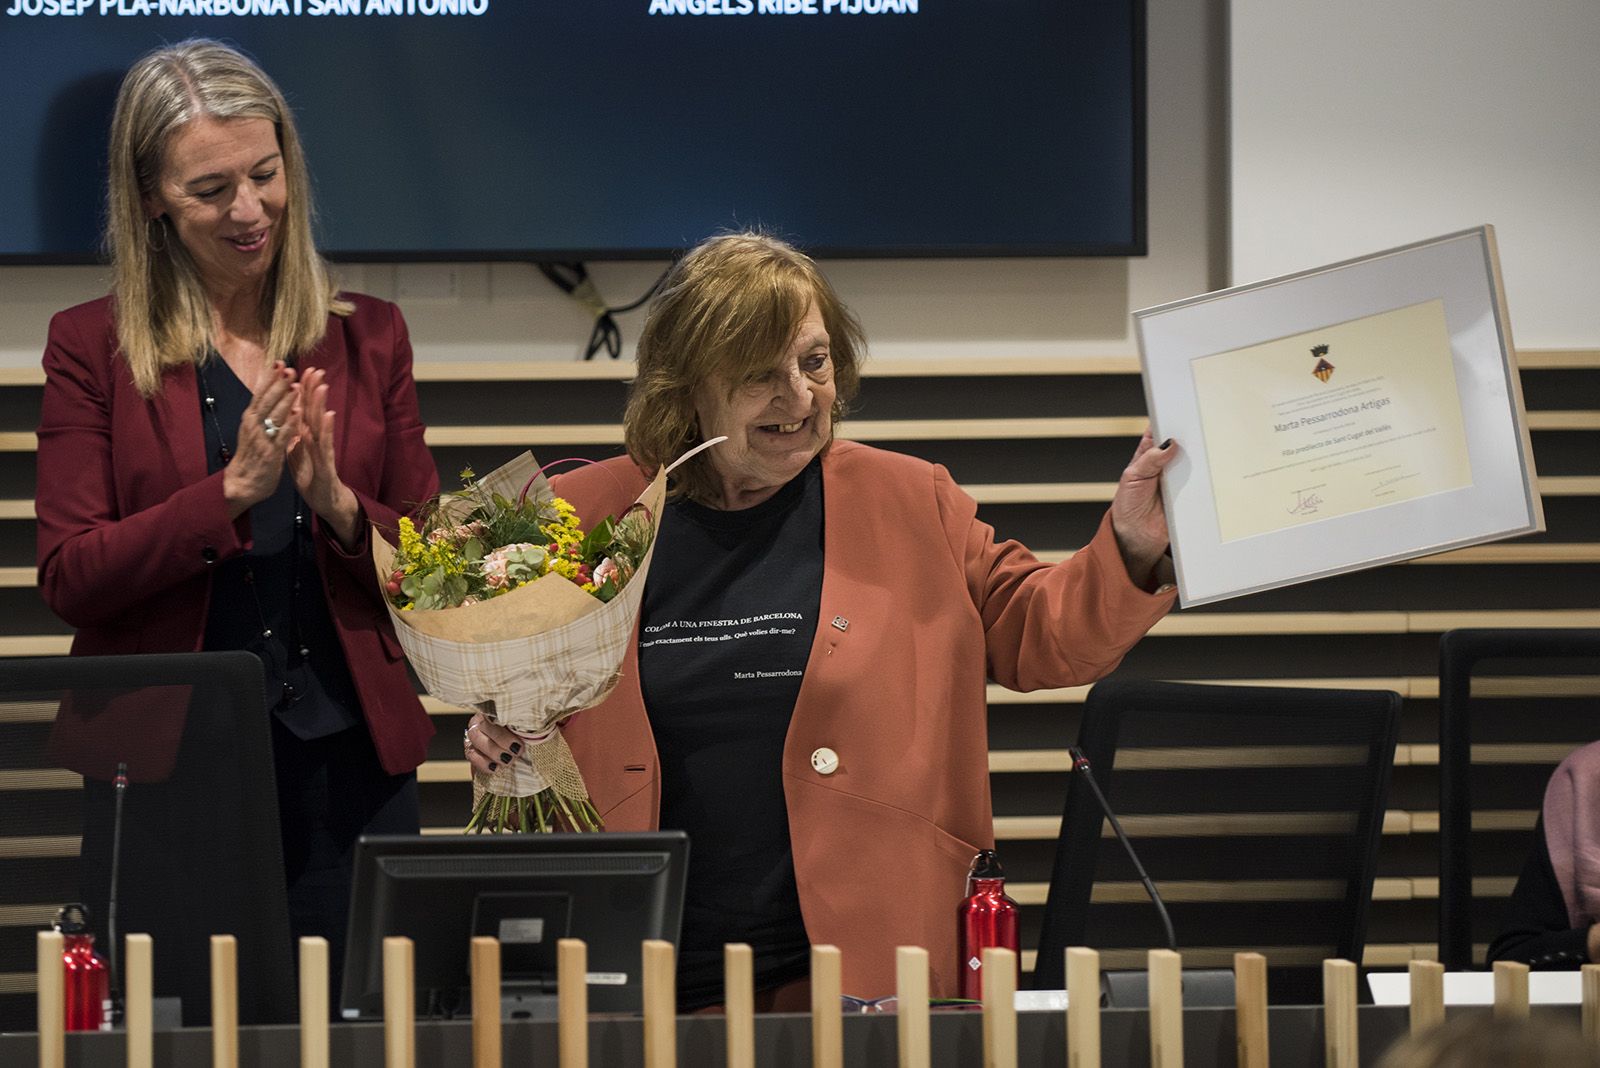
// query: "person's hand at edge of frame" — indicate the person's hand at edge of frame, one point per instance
point(1138, 517)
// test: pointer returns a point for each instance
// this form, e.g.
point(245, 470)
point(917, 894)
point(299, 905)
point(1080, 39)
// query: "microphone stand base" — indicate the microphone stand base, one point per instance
point(1202, 988)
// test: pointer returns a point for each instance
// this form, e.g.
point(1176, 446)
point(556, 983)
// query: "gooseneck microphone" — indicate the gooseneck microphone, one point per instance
point(120, 785)
point(1080, 763)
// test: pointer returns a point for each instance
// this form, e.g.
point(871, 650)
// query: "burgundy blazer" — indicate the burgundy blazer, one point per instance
point(131, 525)
point(921, 605)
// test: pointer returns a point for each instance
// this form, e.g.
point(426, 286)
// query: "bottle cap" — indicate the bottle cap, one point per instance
point(986, 865)
point(72, 919)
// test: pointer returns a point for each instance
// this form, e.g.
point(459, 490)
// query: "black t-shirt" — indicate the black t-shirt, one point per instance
point(728, 619)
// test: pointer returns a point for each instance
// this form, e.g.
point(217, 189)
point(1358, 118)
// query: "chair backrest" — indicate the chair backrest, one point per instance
point(1255, 810)
point(200, 850)
point(1518, 657)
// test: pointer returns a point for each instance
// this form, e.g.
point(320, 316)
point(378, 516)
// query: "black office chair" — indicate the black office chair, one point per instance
point(1473, 652)
point(1256, 812)
point(200, 850)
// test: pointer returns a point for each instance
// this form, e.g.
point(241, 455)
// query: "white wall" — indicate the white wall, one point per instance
point(932, 308)
point(1363, 124)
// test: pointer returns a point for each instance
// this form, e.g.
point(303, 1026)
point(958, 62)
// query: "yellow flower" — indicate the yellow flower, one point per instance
point(410, 540)
point(563, 530)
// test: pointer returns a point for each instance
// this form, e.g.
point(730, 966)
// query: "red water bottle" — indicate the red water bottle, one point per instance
point(86, 990)
point(987, 918)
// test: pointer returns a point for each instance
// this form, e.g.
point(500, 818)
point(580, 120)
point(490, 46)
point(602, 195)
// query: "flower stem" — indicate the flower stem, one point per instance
point(542, 812)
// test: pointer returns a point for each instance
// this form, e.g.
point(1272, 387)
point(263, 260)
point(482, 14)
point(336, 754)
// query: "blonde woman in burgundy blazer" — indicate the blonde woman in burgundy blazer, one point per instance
point(131, 525)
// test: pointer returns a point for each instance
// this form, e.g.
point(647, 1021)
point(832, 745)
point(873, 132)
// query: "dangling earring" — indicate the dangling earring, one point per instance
point(150, 239)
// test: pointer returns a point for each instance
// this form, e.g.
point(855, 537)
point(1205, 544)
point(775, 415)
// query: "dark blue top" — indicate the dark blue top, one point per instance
point(275, 587)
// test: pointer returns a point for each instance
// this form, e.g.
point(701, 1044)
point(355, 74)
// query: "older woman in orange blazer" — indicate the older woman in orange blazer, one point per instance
point(806, 695)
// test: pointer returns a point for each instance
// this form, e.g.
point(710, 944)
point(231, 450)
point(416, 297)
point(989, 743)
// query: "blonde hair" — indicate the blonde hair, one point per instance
point(162, 311)
point(730, 308)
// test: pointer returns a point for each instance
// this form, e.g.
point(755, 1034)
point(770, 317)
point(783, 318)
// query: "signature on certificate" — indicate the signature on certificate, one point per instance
point(1306, 502)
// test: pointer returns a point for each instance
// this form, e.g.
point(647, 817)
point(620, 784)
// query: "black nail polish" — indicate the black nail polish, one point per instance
point(505, 758)
point(1166, 443)
point(516, 747)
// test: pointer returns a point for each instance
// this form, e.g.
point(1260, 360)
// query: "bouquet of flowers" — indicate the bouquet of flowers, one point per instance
point(504, 605)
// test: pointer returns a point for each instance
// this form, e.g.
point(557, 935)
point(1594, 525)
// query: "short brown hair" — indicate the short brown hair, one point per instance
point(729, 308)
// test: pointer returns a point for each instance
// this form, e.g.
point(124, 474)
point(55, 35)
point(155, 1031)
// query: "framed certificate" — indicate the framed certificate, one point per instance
point(1339, 418)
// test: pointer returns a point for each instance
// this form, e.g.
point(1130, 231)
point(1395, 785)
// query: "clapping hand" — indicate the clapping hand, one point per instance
point(270, 422)
point(312, 463)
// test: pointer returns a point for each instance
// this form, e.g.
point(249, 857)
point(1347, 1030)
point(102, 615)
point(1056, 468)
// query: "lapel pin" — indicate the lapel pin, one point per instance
point(841, 623)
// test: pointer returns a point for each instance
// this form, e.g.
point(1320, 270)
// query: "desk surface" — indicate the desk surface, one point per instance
point(957, 1040)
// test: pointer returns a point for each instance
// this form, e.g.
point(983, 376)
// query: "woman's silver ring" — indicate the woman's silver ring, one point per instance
point(269, 428)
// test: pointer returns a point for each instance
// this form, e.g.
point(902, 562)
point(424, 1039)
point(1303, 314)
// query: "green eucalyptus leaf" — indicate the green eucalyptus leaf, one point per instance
point(595, 542)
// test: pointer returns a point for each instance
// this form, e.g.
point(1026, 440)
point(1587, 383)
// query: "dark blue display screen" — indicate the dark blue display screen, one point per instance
point(560, 129)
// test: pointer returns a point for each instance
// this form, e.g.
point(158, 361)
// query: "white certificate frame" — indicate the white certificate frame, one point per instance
point(1501, 499)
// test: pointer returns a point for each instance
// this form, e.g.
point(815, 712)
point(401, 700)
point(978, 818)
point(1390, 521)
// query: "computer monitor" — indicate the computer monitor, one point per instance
point(200, 851)
point(630, 128)
point(612, 890)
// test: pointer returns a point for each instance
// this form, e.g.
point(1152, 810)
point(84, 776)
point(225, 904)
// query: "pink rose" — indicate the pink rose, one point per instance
point(511, 565)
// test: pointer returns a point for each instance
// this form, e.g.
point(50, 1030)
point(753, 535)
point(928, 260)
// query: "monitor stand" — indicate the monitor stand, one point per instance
point(528, 1003)
point(518, 1001)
